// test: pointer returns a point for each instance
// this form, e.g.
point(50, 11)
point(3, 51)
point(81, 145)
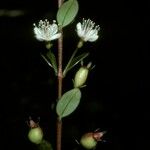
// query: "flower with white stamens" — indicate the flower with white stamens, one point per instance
point(46, 31)
point(87, 30)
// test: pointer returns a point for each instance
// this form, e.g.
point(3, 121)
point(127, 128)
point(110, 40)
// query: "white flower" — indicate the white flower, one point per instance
point(46, 31)
point(87, 30)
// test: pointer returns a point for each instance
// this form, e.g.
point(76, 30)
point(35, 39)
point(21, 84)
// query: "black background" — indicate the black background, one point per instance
point(117, 96)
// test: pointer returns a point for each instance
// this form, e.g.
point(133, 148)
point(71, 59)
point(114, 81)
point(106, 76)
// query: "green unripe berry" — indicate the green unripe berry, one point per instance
point(81, 77)
point(35, 135)
point(88, 141)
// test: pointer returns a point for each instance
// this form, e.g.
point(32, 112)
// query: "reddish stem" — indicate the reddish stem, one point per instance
point(60, 2)
point(60, 79)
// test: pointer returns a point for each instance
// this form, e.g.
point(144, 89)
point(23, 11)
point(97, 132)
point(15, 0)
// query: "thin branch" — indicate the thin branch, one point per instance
point(70, 60)
point(60, 78)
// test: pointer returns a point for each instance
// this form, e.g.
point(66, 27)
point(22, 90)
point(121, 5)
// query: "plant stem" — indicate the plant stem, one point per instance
point(60, 74)
point(60, 78)
point(60, 2)
point(59, 134)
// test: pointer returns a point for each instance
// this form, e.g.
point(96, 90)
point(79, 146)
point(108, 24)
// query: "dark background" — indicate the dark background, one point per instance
point(117, 96)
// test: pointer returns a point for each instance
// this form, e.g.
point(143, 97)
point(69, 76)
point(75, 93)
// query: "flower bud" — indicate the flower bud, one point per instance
point(35, 135)
point(81, 77)
point(88, 141)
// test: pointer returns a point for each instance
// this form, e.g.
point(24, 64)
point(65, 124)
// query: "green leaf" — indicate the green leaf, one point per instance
point(67, 12)
point(52, 59)
point(75, 61)
point(68, 102)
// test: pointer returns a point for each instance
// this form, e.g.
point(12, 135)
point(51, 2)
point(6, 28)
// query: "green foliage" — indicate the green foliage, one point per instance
point(67, 12)
point(68, 102)
point(52, 59)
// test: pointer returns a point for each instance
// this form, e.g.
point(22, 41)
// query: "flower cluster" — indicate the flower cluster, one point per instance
point(86, 30)
point(46, 31)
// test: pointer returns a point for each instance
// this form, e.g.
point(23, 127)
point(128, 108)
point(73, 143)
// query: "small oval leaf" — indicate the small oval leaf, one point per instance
point(67, 12)
point(68, 102)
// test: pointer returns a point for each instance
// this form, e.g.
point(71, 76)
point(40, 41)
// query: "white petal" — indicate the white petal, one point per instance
point(93, 38)
point(92, 32)
point(54, 28)
point(79, 30)
point(55, 36)
point(38, 34)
